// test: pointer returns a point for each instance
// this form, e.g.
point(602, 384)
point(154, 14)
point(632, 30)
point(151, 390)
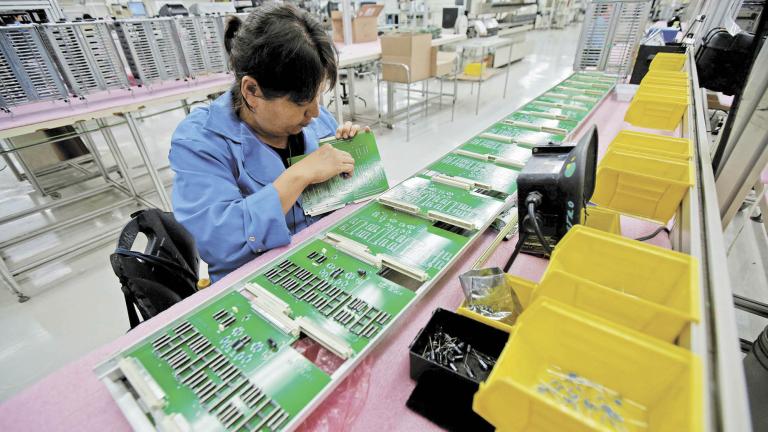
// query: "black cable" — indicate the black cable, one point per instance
point(518, 247)
point(537, 228)
point(653, 234)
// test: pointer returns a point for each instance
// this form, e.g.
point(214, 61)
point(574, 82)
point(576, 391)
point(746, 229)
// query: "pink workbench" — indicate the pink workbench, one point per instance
point(371, 398)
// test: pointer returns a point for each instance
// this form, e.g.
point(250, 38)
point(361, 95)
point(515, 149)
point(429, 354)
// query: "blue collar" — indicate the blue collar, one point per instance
point(222, 118)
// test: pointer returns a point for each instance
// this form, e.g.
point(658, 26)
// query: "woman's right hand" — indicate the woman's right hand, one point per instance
point(324, 163)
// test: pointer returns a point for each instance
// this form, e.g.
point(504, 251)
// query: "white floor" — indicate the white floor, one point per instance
point(77, 305)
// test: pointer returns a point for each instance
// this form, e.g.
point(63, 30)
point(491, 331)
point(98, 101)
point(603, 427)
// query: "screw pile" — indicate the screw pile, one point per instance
point(457, 355)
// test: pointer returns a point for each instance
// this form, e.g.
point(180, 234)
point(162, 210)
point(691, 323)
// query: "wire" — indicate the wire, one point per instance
point(653, 234)
point(518, 248)
point(537, 228)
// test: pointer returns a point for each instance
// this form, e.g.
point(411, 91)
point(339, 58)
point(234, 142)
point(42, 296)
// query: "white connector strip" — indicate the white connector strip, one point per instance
point(442, 217)
point(473, 155)
point(283, 322)
point(583, 91)
point(497, 137)
point(268, 299)
point(399, 205)
point(515, 163)
point(545, 115)
point(146, 387)
point(458, 182)
point(328, 340)
point(353, 248)
point(522, 124)
point(560, 105)
point(410, 271)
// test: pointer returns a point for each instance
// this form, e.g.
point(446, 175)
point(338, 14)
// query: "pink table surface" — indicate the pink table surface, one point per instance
point(73, 399)
point(41, 112)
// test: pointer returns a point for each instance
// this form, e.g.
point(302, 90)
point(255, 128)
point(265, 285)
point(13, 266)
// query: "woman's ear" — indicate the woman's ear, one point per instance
point(250, 90)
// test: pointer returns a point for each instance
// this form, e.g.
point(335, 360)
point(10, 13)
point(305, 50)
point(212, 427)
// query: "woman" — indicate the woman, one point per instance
point(233, 189)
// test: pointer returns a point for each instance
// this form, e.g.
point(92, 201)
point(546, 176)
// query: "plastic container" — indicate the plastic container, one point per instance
point(625, 92)
point(523, 288)
point(665, 81)
point(652, 145)
point(756, 373)
point(664, 379)
point(656, 111)
point(667, 62)
point(646, 187)
point(442, 395)
point(644, 287)
point(602, 219)
point(474, 69)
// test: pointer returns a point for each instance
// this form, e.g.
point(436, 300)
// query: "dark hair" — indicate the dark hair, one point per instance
point(284, 49)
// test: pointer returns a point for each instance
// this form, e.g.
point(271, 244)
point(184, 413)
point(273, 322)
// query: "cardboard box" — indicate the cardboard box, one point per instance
point(410, 49)
point(442, 62)
point(365, 25)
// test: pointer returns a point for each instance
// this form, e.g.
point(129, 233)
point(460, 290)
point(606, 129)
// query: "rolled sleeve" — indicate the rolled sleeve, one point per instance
point(265, 226)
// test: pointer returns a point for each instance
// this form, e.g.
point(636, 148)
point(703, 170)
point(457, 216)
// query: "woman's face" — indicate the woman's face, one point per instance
point(279, 117)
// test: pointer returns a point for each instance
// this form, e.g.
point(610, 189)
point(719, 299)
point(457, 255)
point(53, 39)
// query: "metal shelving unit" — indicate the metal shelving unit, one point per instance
point(610, 35)
point(151, 49)
point(27, 72)
point(86, 55)
point(202, 42)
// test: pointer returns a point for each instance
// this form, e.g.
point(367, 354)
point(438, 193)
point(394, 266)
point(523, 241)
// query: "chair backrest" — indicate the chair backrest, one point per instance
point(164, 274)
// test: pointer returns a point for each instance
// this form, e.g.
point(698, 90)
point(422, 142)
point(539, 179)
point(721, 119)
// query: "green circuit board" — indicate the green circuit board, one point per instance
point(342, 294)
point(501, 153)
point(539, 120)
point(368, 179)
point(218, 370)
point(567, 101)
point(412, 240)
point(520, 136)
point(454, 205)
point(230, 364)
point(479, 173)
point(574, 113)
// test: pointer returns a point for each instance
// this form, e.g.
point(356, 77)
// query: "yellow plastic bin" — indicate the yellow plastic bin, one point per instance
point(667, 62)
point(656, 111)
point(642, 186)
point(474, 69)
point(602, 219)
point(645, 287)
point(523, 288)
point(652, 145)
point(624, 380)
point(665, 81)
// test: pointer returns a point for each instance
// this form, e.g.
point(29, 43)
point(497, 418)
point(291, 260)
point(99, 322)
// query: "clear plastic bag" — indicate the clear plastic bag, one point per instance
point(489, 294)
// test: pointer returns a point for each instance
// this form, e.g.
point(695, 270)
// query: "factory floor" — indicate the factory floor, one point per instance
point(76, 304)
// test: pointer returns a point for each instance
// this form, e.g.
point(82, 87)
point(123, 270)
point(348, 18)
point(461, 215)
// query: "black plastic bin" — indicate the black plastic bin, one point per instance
point(442, 395)
point(756, 372)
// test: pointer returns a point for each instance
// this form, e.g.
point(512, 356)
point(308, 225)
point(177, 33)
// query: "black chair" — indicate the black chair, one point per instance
point(164, 274)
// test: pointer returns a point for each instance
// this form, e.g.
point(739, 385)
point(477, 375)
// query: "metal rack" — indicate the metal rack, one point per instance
point(86, 56)
point(151, 49)
point(610, 35)
point(27, 72)
point(202, 43)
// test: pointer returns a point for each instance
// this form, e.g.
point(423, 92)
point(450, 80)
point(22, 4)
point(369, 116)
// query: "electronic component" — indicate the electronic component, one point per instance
point(369, 178)
point(474, 171)
point(444, 200)
point(520, 135)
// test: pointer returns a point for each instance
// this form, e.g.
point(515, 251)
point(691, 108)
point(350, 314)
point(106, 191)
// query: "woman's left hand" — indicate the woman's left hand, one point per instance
point(348, 130)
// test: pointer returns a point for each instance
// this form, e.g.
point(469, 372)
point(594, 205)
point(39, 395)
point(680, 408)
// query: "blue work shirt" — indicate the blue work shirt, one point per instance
point(223, 192)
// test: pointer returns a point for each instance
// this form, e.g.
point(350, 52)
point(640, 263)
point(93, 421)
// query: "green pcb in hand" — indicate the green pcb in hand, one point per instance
point(368, 179)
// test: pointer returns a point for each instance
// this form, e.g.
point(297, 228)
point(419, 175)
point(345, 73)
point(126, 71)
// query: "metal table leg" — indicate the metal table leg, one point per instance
point(9, 163)
point(338, 102)
point(351, 83)
point(479, 82)
point(13, 286)
point(509, 66)
point(390, 102)
point(122, 165)
point(91, 146)
point(165, 202)
point(28, 174)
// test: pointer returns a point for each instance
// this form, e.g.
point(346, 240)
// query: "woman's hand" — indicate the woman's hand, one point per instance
point(348, 130)
point(324, 163)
